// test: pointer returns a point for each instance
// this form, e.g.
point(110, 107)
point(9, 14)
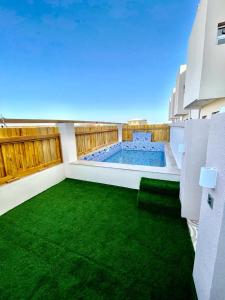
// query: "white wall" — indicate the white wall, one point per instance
point(211, 108)
point(209, 267)
point(125, 177)
point(195, 143)
point(176, 138)
point(213, 72)
point(180, 88)
point(206, 64)
point(19, 191)
point(120, 132)
point(68, 142)
point(195, 55)
point(171, 105)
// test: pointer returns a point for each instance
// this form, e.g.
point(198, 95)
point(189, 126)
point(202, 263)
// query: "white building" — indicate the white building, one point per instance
point(205, 77)
point(179, 111)
point(172, 106)
point(137, 122)
point(176, 104)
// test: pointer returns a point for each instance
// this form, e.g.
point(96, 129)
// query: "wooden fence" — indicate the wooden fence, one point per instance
point(27, 150)
point(160, 132)
point(91, 138)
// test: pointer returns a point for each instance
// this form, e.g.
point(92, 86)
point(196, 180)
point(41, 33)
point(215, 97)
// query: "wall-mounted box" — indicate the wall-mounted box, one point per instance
point(208, 177)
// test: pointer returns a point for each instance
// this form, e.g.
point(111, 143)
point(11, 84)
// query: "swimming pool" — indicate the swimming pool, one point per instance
point(138, 157)
point(133, 153)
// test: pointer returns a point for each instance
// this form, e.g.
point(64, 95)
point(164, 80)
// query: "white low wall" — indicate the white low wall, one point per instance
point(17, 192)
point(196, 140)
point(176, 138)
point(125, 176)
point(209, 267)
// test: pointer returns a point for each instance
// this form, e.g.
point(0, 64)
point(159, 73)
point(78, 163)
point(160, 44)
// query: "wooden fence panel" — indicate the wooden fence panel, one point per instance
point(160, 132)
point(27, 150)
point(91, 138)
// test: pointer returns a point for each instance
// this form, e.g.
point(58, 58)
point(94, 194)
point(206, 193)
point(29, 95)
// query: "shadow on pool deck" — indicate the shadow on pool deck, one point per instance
point(82, 240)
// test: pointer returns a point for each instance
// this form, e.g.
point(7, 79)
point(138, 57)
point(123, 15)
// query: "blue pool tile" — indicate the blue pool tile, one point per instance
point(135, 152)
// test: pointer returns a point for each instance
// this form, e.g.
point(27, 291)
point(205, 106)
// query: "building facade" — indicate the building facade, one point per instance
point(137, 122)
point(203, 93)
point(205, 77)
point(179, 110)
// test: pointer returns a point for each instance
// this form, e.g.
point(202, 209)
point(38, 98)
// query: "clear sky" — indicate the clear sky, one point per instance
point(108, 60)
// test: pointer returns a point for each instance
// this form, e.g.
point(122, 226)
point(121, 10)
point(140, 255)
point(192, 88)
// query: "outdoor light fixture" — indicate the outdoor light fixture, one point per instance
point(208, 177)
point(181, 148)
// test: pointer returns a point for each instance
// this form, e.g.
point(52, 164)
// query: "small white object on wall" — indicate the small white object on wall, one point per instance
point(181, 148)
point(222, 109)
point(208, 177)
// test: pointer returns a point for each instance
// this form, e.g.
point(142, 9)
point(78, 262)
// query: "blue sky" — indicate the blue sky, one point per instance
point(108, 60)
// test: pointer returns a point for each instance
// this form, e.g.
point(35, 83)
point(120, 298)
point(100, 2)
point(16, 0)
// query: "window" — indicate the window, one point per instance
point(221, 33)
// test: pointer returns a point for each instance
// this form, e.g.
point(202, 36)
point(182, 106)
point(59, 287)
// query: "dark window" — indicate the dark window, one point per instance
point(221, 33)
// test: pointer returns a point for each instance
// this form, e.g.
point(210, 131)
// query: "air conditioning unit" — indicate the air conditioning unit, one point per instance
point(221, 33)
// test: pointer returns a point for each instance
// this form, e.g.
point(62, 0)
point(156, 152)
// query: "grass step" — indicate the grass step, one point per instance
point(161, 204)
point(160, 186)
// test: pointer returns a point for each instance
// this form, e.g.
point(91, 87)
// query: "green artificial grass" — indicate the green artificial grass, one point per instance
point(82, 240)
point(160, 186)
point(160, 197)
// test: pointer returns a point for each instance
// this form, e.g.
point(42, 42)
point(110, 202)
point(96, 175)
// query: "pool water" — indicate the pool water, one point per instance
point(138, 157)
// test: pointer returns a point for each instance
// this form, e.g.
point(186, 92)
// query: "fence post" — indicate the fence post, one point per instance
point(68, 142)
point(120, 132)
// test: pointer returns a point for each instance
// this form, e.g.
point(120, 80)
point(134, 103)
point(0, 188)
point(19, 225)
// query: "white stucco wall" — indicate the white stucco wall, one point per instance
point(195, 55)
point(180, 88)
point(170, 110)
point(68, 142)
point(19, 191)
point(209, 109)
point(194, 114)
point(171, 105)
point(209, 266)
point(113, 174)
point(195, 141)
point(120, 132)
point(213, 72)
point(206, 64)
point(177, 138)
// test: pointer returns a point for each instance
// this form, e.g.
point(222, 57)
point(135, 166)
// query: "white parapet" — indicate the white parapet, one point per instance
point(209, 266)
point(118, 174)
point(195, 144)
point(14, 193)
point(177, 139)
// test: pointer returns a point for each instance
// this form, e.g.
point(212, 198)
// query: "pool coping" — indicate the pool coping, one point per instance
point(170, 168)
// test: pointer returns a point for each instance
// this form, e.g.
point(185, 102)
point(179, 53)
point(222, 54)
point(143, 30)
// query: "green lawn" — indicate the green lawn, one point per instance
point(82, 240)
